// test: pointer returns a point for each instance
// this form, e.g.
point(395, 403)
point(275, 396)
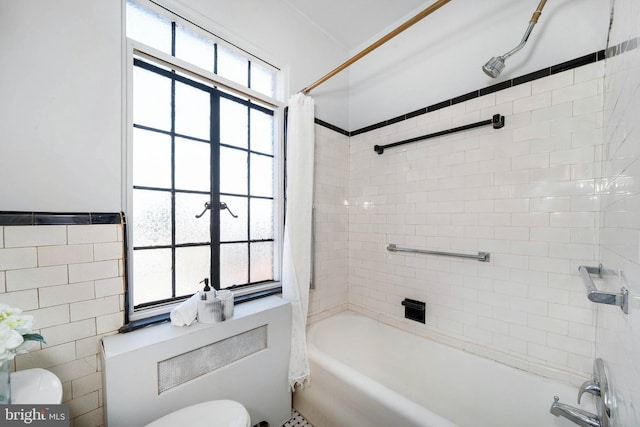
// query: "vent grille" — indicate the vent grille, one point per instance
point(192, 364)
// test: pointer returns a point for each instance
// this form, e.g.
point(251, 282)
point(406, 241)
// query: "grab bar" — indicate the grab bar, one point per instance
point(599, 297)
point(482, 256)
point(497, 121)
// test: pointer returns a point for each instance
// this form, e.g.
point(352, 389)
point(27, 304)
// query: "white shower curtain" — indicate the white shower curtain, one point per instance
point(296, 257)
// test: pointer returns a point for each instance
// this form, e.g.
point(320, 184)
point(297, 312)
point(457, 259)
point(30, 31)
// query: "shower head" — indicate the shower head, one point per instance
point(495, 65)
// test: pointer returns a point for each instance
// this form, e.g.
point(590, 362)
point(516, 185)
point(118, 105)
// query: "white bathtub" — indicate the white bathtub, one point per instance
point(366, 373)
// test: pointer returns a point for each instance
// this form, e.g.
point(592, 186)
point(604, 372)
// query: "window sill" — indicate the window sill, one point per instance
point(164, 317)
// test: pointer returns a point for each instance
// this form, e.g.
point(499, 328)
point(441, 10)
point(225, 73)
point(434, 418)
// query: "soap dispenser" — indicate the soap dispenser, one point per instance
point(206, 303)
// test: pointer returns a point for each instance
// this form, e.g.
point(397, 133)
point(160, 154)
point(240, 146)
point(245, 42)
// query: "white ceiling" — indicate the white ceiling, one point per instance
point(352, 23)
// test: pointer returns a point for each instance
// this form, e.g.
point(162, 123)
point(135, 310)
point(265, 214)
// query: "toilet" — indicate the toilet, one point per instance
point(213, 413)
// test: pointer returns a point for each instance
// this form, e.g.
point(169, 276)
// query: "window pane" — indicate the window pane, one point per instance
point(263, 79)
point(151, 218)
point(261, 261)
point(151, 275)
point(233, 123)
point(234, 259)
point(192, 111)
point(261, 132)
point(148, 27)
point(233, 229)
point(261, 219)
point(190, 229)
point(151, 99)
point(151, 145)
point(192, 266)
point(233, 171)
point(233, 66)
point(261, 175)
point(194, 48)
point(193, 160)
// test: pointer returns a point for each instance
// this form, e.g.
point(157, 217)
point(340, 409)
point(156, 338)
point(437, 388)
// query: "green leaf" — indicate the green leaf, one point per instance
point(34, 337)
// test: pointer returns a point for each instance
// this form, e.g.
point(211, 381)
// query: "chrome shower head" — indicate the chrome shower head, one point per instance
point(494, 66)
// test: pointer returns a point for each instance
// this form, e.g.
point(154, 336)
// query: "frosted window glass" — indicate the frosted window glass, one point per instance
point(234, 123)
point(261, 132)
point(261, 175)
point(151, 99)
point(193, 165)
point(263, 79)
point(261, 219)
point(151, 275)
point(192, 266)
point(148, 27)
point(151, 218)
point(192, 111)
point(233, 229)
point(190, 229)
point(234, 259)
point(194, 48)
point(261, 261)
point(233, 171)
point(151, 145)
point(233, 66)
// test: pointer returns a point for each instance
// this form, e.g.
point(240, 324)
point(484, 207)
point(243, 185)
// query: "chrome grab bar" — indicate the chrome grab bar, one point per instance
point(482, 256)
point(593, 294)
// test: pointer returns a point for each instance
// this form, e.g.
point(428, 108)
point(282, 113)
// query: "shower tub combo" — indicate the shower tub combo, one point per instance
point(366, 373)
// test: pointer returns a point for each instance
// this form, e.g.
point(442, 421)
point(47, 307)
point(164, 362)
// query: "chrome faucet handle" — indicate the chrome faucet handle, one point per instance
point(591, 387)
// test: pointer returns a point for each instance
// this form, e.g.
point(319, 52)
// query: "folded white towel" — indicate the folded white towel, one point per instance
point(185, 314)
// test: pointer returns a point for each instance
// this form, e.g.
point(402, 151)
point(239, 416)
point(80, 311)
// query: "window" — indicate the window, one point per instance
point(204, 171)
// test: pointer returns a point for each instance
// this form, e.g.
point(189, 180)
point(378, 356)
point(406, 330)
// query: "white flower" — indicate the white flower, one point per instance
point(15, 329)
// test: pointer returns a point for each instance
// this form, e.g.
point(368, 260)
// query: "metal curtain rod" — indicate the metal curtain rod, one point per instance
point(497, 121)
point(426, 12)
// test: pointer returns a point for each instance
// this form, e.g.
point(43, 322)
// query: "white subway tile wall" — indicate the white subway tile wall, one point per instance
point(618, 334)
point(331, 221)
point(70, 278)
point(527, 193)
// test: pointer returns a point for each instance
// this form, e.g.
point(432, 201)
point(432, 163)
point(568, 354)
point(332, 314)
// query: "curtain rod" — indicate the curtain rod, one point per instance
point(426, 12)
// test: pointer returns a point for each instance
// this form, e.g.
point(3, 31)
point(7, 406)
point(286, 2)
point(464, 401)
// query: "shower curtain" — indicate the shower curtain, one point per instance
point(296, 257)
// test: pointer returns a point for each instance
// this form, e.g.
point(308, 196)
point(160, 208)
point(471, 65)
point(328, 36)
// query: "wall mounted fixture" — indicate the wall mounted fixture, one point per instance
point(599, 297)
point(495, 65)
point(497, 121)
point(482, 256)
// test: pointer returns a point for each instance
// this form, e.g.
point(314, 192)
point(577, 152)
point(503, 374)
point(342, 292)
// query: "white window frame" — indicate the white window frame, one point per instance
point(134, 48)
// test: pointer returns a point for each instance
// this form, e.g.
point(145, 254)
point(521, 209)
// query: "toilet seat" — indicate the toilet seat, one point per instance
point(213, 413)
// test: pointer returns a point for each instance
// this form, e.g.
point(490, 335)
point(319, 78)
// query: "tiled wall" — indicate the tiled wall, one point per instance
point(331, 222)
point(618, 334)
point(525, 193)
point(70, 278)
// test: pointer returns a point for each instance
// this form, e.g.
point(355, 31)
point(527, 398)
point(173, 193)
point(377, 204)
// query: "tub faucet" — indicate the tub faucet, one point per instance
point(576, 415)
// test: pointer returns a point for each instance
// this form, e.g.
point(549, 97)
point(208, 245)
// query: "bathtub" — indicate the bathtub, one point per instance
point(366, 373)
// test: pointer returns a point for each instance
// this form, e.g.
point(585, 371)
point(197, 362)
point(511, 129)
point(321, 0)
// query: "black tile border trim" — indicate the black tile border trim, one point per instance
point(12, 218)
point(545, 72)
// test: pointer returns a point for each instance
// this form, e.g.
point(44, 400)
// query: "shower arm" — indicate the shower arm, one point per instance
point(527, 33)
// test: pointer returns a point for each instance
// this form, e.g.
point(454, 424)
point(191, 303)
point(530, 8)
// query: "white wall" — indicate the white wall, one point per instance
point(525, 193)
point(441, 56)
point(618, 334)
point(61, 106)
point(70, 278)
point(61, 84)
